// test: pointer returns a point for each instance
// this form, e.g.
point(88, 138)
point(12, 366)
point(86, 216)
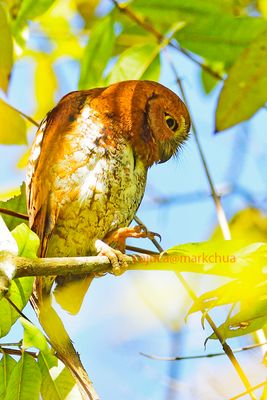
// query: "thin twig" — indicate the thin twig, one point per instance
point(15, 214)
point(30, 119)
point(17, 309)
point(177, 358)
point(148, 27)
point(18, 344)
point(17, 352)
point(142, 251)
point(219, 209)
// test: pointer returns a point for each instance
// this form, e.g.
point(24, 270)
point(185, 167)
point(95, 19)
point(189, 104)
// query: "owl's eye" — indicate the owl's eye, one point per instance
point(171, 122)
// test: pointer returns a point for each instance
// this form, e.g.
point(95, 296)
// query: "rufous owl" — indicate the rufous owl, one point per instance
point(88, 165)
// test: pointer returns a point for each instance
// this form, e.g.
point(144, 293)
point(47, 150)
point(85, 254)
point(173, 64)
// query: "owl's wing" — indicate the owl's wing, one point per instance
point(51, 144)
point(38, 189)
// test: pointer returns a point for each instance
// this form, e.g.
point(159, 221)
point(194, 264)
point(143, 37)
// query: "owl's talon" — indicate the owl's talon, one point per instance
point(116, 258)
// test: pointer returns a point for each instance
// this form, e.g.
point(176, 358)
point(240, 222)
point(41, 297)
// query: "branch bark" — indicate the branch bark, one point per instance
point(97, 265)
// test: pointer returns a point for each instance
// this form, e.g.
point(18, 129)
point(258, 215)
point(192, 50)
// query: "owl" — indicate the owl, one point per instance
point(87, 170)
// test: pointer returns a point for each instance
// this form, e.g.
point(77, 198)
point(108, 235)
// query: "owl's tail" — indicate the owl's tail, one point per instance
point(70, 293)
point(59, 339)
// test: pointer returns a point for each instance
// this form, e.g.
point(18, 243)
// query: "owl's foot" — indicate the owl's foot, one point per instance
point(118, 237)
point(116, 258)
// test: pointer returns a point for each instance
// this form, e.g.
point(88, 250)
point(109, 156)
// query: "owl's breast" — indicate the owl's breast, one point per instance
point(102, 195)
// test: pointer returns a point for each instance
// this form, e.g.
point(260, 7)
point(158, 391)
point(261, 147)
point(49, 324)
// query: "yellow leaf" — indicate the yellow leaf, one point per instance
point(262, 6)
point(6, 50)
point(45, 85)
point(24, 159)
point(12, 125)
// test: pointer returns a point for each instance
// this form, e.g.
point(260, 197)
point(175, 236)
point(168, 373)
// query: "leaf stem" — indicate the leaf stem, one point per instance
point(17, 352)
point(30, 119)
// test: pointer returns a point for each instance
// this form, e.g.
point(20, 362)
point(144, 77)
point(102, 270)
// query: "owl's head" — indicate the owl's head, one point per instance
point(166, 121)
point(150, 116)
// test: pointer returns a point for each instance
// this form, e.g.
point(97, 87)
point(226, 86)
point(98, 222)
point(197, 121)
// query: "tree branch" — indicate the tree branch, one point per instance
point(99, 265)
point(17, 352)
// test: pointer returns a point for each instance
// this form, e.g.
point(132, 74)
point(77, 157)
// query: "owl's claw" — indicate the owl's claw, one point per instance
point(118, 237)
point(116, 257)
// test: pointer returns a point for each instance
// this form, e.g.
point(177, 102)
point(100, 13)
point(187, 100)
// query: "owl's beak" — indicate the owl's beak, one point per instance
point(164, 158)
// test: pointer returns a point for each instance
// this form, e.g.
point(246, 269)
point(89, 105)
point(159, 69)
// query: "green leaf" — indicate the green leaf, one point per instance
point(209, 81)
point(27, 241)
point(20, 292)
point(6, 50)
point(29, 10)
point(16, 203)
point(165, 13)
point(153, 71)
point(45, 82)
point(247, 290)
point(33, 337)
point(210, 30)
point(97, 54)
point(57, 381)
point(244, 90)
point(220, 38)
point(12, 126)
point(7, 364)
point(134, 62)
point(246, 321)
point(25, 380)
point(225, 258)
point(20, 289)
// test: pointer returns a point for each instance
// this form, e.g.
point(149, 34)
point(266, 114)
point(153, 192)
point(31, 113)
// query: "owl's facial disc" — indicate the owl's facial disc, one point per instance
point(178, 133)
point(169, 123)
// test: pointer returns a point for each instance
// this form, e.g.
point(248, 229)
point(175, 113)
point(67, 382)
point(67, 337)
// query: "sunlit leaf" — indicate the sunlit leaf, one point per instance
point(20, 292)
point(57, 27)
point(134, 62)
point(244, 90)
point(28, 242)
point(225, 257)
point(262, 6)
point(16, 203)
point(221, 38)
point(25, 380)
point(45, 85)
point(57, 381)
point(208, 80)
point(22, 163)
point(165, 13)
point(33, 337)
point(30, 9)
point(232, 292)
point(153, 71)
point(246, 321)
point(210, 31)
point(7, 194)
point(20, 289)
point(6, 50)
point(12, 126)
point(86, 12)
point(7, 364)
point(97, 53)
